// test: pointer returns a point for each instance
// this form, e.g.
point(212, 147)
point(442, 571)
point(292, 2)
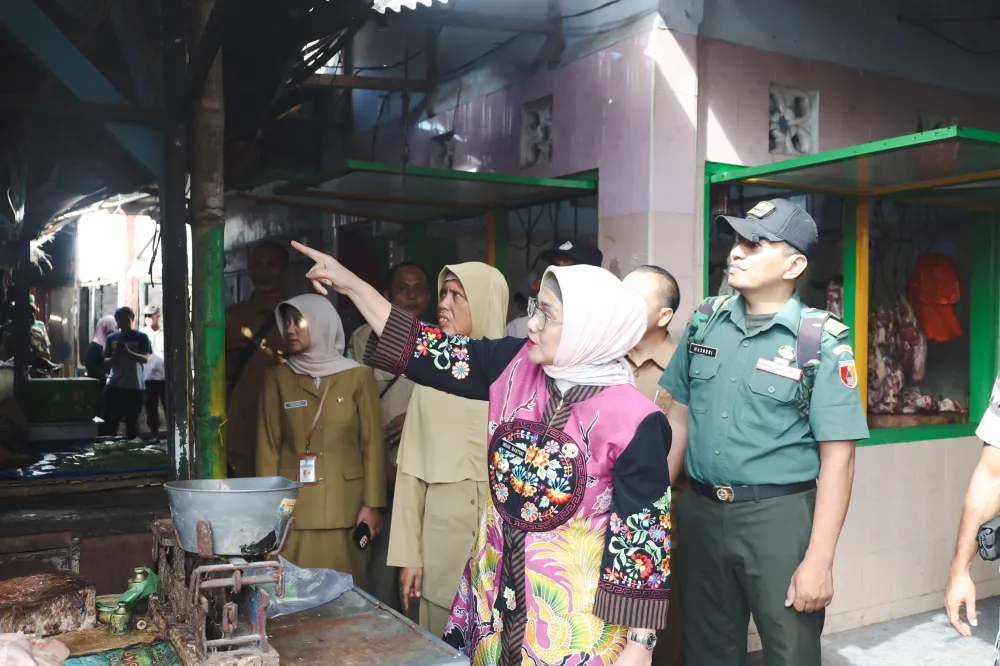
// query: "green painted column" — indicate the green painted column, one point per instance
point(209, 327)
point(208, 225)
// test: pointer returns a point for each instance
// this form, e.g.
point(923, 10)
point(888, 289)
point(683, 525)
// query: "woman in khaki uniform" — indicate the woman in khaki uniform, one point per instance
point(343, 431)
point(441, 482)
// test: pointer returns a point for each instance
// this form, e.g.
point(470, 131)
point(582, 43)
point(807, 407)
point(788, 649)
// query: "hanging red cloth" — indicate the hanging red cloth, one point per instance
point(934, 291)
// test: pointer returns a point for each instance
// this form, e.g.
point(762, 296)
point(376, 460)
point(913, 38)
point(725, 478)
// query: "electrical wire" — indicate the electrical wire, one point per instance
point(475, 61)
point(378, 119)
point(591, 11)
point(945, 38)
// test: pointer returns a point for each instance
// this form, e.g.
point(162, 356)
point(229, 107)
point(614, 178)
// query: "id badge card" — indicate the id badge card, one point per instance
point(307, 468)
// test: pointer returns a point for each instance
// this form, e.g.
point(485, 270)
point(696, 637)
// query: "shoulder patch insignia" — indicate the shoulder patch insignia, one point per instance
point(849, 373)
point(843, 349)
point(835, 327)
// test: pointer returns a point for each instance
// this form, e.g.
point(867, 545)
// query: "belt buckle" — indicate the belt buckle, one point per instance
point(724, 493)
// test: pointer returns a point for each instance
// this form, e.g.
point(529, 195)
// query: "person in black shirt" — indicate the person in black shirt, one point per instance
point(125, 353)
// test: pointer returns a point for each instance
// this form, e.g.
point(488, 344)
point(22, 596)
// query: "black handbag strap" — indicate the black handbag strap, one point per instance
point(389, 386)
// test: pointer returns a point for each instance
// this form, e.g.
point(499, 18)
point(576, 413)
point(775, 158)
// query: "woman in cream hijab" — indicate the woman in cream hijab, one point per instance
point(322, 409)
point(441, 486)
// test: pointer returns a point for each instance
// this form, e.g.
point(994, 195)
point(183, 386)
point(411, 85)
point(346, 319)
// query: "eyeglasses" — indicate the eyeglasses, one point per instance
point(535, 311)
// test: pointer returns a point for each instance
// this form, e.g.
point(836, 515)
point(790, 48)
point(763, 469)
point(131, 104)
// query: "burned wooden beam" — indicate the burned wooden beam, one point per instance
point(388, 84)
point(207, 50)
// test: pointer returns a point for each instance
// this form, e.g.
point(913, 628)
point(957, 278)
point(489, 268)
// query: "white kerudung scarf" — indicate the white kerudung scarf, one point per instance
point(602, 321)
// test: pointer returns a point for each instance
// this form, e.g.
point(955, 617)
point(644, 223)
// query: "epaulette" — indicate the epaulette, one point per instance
point(835, 327)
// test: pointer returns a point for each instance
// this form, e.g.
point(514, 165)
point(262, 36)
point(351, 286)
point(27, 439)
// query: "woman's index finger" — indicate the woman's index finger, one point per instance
point(308, 251)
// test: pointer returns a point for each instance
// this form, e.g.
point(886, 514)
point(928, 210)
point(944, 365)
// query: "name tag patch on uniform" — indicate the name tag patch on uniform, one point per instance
point(779, 369)
point(849, 373)
point(296, 404)
point(702, 350)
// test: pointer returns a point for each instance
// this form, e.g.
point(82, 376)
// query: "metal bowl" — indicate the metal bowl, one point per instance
point(247, 517)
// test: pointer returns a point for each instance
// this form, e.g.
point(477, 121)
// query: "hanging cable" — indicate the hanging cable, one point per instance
point(461, 69)
point(378, 118)
point(591, 11)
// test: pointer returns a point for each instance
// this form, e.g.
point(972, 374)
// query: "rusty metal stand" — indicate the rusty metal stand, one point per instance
point(201, 600)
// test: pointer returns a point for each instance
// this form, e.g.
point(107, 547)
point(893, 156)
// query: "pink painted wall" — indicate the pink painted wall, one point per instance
point(601, 110)
point(855, 106)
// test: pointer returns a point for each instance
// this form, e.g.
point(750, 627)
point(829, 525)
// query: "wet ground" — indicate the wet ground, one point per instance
point(925, 639)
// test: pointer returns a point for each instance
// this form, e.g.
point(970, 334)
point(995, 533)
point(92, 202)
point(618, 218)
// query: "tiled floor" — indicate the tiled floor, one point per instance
point(925, 639)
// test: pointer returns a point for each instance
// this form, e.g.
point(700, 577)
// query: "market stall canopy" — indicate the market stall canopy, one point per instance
point(393, 193)
point(924, 164)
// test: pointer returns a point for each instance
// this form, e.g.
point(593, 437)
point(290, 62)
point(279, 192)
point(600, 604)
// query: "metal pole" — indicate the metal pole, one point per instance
point(173, 230)
point(19, 319)
point(208, 224)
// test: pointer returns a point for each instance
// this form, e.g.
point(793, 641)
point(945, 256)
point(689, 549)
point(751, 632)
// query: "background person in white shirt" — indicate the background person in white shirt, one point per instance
point(153, 372)
point(982, 503)
point(567, 253)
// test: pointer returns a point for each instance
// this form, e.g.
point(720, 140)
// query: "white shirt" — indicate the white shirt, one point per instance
point(154, 370)
point(989, 427)
point(518, 328)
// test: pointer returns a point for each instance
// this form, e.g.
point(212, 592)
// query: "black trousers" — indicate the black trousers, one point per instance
point(156, 393)
point(737, 560)
point(121, 404)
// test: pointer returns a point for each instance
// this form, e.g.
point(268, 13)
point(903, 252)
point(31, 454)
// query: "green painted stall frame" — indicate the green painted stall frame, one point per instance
point(63, 400)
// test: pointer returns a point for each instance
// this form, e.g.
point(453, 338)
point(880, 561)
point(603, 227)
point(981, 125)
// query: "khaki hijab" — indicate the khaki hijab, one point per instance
point(444, 439)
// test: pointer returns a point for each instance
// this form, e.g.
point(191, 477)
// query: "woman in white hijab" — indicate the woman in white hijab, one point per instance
point(572, 560)
point(319, 423)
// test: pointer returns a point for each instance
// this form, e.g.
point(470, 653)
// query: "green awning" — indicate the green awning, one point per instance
point(899, 167)
point(373, 190)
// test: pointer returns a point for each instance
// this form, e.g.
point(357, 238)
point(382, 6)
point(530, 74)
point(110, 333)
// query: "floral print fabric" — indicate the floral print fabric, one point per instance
point(640, 544)
point(537, 475)
point(447, 353)
point(581, 542)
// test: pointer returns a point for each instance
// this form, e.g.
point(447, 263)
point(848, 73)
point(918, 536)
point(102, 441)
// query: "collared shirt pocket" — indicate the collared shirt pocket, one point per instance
point(770, 403)
point(700, 371)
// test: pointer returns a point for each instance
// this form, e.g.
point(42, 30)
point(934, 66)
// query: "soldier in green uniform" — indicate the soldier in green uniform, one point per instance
point(766, 402)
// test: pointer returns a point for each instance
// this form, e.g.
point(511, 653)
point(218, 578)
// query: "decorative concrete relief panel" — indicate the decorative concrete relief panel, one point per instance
point(443, 151)
point(794, 126)
point(536, 132)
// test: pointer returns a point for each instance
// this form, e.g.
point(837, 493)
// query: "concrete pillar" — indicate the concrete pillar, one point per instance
point(650, 206)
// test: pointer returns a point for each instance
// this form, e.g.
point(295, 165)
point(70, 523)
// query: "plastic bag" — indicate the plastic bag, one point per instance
point(306, 588)
point(20, 650)
point(157, 653)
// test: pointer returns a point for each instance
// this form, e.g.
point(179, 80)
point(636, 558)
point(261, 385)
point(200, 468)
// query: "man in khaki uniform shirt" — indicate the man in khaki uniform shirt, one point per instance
point(407, 289)
point(251, 325)
point(648, 360)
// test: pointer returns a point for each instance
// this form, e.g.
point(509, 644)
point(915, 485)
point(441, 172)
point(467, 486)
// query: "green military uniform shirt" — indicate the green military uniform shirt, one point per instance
point(744, 425)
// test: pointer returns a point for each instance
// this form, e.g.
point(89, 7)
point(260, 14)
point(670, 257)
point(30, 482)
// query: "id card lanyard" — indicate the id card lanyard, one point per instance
point(307, 460)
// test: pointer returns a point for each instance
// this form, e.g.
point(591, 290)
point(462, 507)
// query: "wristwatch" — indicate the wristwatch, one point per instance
point(647, 641)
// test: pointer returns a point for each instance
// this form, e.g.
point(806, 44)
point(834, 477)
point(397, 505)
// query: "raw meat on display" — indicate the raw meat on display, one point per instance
point(835, 299)
point(897, 360)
